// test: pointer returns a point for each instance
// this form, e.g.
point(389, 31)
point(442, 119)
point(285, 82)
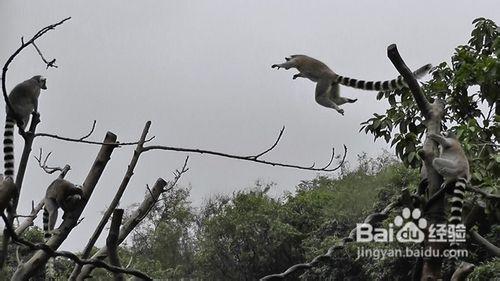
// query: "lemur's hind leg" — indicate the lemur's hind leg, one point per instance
point(298, 75)
point(51, 207)
point(323, 87)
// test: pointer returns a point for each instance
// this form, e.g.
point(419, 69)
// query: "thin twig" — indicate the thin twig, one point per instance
point(91, 131)
point(51, 63)
point(272, 146)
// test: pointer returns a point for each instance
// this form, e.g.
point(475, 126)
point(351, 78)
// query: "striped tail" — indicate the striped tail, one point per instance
point(8, 148)
point(388, 85)
point(49, 267)
point(457, 202)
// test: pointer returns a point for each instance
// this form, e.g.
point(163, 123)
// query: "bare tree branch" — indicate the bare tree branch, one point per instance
point(51, 63)
point(49, 252)
point(112, 242)
point(43, 164)
point(91, 131)
point(272, 146)
point(254, 158)
point(418, 95)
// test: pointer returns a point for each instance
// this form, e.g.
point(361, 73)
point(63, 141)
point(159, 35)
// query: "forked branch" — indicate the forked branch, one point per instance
point(43, 164)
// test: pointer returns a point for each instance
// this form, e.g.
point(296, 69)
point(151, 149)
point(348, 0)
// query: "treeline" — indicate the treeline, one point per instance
point(249, 234)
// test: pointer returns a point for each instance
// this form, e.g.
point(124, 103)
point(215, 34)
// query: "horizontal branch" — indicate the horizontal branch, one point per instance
point(69, 255)
point(253, 158)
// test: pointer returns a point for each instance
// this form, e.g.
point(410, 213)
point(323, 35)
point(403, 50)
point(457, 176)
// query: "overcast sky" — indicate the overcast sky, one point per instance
point(200, 71)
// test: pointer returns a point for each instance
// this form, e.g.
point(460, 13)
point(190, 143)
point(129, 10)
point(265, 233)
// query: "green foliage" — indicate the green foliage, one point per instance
point(487, 271)
point(246, 239)
point(163, 244)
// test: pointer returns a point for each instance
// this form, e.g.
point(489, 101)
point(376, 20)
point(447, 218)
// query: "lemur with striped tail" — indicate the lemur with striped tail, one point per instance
point(453, 165)
point(23, 101)
point(327, 87)
point(60, 194)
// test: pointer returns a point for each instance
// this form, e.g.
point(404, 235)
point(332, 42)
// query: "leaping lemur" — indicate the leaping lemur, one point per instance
point(327, 87)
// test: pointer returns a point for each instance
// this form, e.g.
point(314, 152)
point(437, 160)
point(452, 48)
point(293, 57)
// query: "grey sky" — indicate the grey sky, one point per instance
point(200, 70)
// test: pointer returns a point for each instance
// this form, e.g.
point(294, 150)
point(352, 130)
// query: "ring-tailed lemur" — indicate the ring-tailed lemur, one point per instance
point(327, 87)
point(24, 100)
point(453, 165)
point(60, 194)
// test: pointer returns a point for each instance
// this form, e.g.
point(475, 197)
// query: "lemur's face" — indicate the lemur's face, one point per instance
point(42, 81)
